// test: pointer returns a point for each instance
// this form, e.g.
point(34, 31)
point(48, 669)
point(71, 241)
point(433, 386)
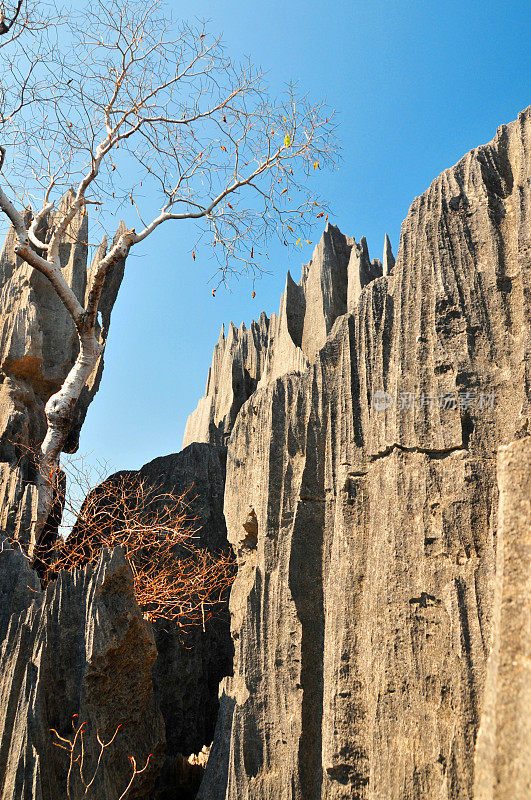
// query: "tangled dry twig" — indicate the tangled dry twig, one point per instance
point(78, 783)
point(175, 577)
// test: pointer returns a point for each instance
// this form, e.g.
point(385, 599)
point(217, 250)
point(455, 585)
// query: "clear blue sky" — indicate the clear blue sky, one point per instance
point(415, 85)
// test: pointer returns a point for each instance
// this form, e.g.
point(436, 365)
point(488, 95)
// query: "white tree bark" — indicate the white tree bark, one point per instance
point(60, 406)
point(59, 410)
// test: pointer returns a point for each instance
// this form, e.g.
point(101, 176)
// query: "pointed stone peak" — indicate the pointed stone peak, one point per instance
point(121, 229)
point(98, 255)
point(221, 337)
point(388, 257)
point(289, 282)
point(232, 334)
point(65, 201)
point(364, 250)
point(330, 237)
point(260, 325)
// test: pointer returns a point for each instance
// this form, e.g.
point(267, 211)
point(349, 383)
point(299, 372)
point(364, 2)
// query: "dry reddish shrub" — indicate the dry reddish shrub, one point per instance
point(174, 577)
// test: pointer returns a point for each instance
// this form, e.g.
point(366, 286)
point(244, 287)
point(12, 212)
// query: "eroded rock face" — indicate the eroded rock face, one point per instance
point(503, 754)
point(38, 346)
point(362, 611)
point(189, 667)
point(81, 647)
point(289, 341)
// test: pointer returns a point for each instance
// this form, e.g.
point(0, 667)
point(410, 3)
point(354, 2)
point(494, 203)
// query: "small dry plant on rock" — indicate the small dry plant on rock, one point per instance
point(80, 780)
point(174, 577)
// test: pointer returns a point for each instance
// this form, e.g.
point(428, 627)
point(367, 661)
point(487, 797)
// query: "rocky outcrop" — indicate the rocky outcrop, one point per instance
point(237, 365)
point(189, 669)
point(79, 648)
point(38, 346)
point(363, 608)
point(190, 666)
point(330, 284)
point(503, 755)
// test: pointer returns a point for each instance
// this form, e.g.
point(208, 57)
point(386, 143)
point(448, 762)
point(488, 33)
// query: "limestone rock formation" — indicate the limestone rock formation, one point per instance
point(362, 612)
point(81, 647)
point(187, 672)
point(289, 341)
point(188, 669)
point(237, 365)
point(503, 754)
point(38, 346)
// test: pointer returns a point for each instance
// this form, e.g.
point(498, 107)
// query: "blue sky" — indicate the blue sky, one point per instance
point(415, 85)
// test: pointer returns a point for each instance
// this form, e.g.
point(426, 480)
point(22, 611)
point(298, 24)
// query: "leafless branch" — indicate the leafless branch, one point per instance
point(78, 784)
point(155, 119)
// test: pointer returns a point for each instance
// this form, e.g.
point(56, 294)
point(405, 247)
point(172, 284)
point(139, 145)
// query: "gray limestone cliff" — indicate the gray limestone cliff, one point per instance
point(503, 753)
point(365, 605)
point(38, 346)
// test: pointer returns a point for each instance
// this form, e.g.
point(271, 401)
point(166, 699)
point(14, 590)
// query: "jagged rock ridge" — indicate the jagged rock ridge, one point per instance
point(362, 611)
point(330, 285)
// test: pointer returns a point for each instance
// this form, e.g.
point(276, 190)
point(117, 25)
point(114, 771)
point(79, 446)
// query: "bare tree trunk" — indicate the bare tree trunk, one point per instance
point(59, 410)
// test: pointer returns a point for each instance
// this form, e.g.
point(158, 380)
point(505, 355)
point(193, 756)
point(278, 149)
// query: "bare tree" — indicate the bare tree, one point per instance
point(27, 44)
point(154, 120)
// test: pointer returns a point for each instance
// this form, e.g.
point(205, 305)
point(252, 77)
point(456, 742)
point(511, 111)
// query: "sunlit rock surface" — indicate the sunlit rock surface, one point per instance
point(362, 614)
